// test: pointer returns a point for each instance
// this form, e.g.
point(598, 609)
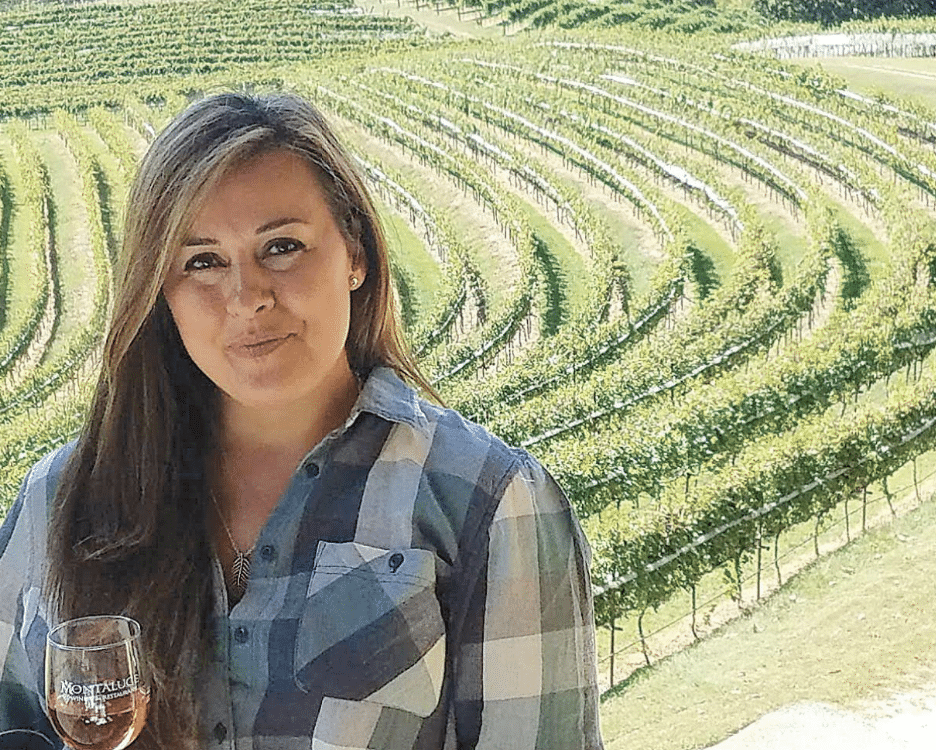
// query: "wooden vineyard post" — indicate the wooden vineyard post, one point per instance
point(760, 550)
point(776, 558)
point(695, 634)
point(816, 535)
point(643, 638)
point(611, 667)
point(864, 508)
point(847, 524)
point(739, 580)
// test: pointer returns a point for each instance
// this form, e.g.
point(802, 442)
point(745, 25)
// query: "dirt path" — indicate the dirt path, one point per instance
point(907, 722)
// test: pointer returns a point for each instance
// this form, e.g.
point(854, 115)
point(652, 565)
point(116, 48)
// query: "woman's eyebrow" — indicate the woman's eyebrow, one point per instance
point(198, 241)
point(268, 227)
point(277, 223)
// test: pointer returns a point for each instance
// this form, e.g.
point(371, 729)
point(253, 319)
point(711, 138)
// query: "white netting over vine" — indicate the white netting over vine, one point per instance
point(880, 44)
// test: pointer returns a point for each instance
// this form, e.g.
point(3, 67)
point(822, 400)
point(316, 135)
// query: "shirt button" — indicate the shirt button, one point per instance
point(241, 634)
point(312, 470)
point(220, 732)
point(267, 553)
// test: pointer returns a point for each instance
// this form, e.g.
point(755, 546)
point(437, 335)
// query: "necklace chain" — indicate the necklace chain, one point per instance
point(239, 574)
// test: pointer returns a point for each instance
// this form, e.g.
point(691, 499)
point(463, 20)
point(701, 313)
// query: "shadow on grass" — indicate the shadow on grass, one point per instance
point(404, 289)
point(856, 278)
point(619, 688)
point(703, 271)
point(555, 292)
point(776, 272)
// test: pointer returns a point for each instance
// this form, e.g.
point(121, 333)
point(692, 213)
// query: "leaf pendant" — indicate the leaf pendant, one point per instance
point(240, 573)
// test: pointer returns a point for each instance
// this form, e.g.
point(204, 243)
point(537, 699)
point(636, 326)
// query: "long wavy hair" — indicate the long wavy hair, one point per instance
point(128, 531)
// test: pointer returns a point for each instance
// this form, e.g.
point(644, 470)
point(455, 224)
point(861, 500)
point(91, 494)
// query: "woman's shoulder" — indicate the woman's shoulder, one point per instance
point(23, 532)
point(50, 467)
point(451, 442)
point(454, 432)
point(515, 482)
point(41, 481)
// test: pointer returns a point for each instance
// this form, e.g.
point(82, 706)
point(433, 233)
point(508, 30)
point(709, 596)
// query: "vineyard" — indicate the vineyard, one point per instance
point(697, 283)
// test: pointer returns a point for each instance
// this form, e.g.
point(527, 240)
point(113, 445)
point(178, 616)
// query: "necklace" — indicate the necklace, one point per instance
point(237, 577)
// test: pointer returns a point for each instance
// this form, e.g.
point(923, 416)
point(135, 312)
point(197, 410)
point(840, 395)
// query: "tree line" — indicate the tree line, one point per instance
point(833, 12)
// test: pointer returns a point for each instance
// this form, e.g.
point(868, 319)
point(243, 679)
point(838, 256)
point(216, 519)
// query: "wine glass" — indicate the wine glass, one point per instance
point(97, 686)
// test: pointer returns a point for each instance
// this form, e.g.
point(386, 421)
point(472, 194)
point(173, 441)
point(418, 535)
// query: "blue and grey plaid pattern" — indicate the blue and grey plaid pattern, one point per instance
point(419, 585)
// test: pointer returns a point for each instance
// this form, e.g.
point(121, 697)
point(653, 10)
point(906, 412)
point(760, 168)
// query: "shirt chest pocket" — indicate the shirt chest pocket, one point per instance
point(371, 629)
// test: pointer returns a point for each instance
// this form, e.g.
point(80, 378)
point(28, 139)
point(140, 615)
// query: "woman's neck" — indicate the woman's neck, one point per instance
point(259, 452)
point(292, 428)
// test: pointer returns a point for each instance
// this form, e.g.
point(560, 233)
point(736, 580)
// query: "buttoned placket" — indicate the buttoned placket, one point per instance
point(213, 689)
point(243, 649)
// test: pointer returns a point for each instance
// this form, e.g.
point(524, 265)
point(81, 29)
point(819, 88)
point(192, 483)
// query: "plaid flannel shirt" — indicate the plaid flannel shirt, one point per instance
point(419, 585)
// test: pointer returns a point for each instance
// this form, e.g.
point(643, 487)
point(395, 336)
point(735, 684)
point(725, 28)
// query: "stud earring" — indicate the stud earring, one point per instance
point(354, 282)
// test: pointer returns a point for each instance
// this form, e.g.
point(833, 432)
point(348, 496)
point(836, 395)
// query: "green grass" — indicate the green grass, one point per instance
point(566, 264)
point(857, 624)
point(75, 265)
point(21, 284)
point(910, 78)
point(641, 261)
point(419, 286)
point(492, 266)
point(791, 242)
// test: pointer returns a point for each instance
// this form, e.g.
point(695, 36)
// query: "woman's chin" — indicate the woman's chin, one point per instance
point(270, 398)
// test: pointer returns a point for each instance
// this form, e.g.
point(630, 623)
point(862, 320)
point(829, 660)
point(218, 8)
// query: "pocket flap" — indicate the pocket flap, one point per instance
point(372, 628)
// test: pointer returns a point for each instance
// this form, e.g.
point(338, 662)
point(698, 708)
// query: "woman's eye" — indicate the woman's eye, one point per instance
point(283, 247)
point(202, 261)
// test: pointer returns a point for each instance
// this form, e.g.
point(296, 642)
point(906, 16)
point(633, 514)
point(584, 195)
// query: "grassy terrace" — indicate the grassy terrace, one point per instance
point(75, 279)
point(20, 284)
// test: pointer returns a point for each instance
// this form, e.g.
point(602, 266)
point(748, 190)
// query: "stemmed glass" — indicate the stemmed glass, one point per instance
point(97, 686)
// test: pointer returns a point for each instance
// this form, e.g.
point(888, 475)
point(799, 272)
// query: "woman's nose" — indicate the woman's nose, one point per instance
point(250, 290)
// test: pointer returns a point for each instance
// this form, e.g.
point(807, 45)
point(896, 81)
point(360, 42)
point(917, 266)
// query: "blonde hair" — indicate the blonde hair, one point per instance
point(128, 531)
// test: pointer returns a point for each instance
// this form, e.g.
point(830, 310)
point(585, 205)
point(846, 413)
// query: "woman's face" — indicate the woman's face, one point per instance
point(260, 289)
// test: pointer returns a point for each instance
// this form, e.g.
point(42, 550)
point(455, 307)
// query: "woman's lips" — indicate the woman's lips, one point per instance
point(260, 346)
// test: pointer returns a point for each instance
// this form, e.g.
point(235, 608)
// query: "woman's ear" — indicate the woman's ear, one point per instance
point(356, 252)
point(358, 271)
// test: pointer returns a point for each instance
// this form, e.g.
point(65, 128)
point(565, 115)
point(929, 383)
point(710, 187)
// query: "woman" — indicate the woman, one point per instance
point(311, 549)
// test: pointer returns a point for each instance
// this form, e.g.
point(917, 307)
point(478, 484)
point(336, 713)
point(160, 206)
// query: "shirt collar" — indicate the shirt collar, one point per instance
point(387, 396)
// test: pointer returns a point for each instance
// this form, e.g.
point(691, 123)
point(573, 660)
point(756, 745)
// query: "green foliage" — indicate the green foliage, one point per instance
point(681, 16)
point(834, 12)
point(48, 50)
point(22, 323)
